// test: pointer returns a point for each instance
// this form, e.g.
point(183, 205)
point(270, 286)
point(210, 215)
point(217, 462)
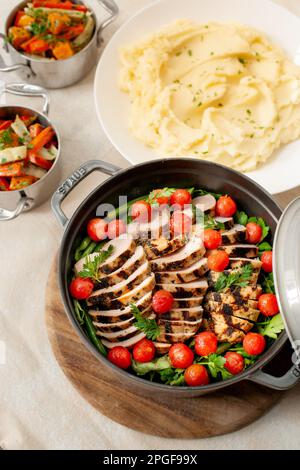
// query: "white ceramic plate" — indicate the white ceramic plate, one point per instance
point(282, 172)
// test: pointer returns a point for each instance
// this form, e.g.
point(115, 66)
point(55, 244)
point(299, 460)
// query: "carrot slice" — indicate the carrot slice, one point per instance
point(11, 169)
point(40, 161)
point(41, 140)
point(5, 125)
point(20, 182)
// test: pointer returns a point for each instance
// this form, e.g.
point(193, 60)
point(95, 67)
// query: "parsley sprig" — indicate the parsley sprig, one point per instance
point(215, 364)
point(271, 327)
point(203, 192)
point(147, 325)
point(210, 222)
point(268, 283)
point(91, 265)
point(239, 277)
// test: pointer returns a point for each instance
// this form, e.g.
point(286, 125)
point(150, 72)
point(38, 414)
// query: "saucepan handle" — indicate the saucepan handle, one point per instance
point(12, 67)
point(285, 382)
point(67, 186)
point(24, 89)
point(112, 8)
point(24, 204)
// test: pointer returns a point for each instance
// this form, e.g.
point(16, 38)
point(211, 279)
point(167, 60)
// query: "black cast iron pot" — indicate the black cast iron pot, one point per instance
point(137, 181)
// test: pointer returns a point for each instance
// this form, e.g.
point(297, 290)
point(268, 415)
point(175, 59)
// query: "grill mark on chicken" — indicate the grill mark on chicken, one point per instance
point(246, 251)
point(162, 246)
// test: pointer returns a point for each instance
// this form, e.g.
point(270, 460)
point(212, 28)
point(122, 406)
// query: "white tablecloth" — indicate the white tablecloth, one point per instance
point(39, 408)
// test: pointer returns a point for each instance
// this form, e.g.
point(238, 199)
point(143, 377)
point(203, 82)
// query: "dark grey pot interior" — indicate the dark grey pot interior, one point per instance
point(140, 180)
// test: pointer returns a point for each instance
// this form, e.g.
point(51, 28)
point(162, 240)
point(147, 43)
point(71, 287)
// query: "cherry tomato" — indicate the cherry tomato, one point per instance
point(120, 356)
point(158, 198)
point(180, 223)
point(212, 239)
point(196, 375)
point(81, 288)
point(226, 207)
point(141, 211)
point(254, 344)
point(116, 228)
point(267, 305)
point(218, 261)
point(181, 356)
point(144, 351)
point(234, 362)
point(162, 301)
point(206, 343)
point(253, 233)
point(180, 197)
point(97, 229)
point(267, 261)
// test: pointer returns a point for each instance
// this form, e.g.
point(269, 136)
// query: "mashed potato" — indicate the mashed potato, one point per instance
point(222, 92)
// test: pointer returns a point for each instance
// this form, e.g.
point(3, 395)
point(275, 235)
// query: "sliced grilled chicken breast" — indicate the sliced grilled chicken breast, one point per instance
point(129, 267)
point(112, 316)
point(162, 348)
point(123, 247)
point(231, 299)
point(183, 258)
point(162, 246)
point(224, 333)
point(243, 251)
point(188, 314)
point(206, 203)
point(121, 334)
point(190, 274)
point(158, 226)
point(188, 303)
point(190, 289)
point(228, 222)
point(240, 262)
point(245, 312)
point(123, 323)
point(122, 287)
point(232, 321)
point(247, 293)
point(130, 297)
point(235, 235)
point(126, 343)
point(165, 337)
point(212, 277)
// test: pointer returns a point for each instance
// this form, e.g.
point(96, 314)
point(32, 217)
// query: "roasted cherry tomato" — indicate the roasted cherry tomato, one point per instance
point(267, 305)
point(218, 261)
point(180, 197)
point(196, 375)
point(141, 211)
point(180, 223)
point(120, 356)
point(234, 362)
point(181, 356)
point(267, 261)
point(159, 198)
point(81, 288)
point(162, 301)
point(253, 233)
point(144, 351)
point(97, 229)
point(206, 343)
point(254, 344)
point(212, 239)
point(226, 207)
point(116, 228)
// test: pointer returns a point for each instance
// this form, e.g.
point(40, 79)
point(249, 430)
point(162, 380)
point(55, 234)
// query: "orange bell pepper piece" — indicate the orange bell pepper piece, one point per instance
point(11, 169)
point(38, 46)
point(20, 182)
point(58, 22)
point(72, 32)
point(63, 50)
point(18, 36)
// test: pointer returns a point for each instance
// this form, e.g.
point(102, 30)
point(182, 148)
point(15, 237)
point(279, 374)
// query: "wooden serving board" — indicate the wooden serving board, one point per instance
point(210, 415)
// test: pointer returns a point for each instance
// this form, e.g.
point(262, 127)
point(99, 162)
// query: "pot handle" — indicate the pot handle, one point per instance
point(112, 8)
point(285, 382)
point(67, 186)
point(8, 68)
point(24, 89)
point(23, 204)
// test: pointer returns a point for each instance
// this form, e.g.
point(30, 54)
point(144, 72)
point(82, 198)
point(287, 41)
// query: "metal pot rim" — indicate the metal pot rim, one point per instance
point(265, 358)
point(39, 114)
point(42, 60)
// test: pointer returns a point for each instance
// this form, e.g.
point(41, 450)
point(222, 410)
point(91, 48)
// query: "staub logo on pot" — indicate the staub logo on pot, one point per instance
point(72, 181)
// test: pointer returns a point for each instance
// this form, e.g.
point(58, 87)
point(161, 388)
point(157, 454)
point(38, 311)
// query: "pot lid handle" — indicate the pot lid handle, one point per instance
point(286, 252)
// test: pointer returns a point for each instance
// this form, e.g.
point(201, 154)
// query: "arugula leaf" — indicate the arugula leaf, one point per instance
point(239, 277)
point(271, 328)
point(265, 246)
point(260, 221)
point(203, 192)
point(268, 283)
point(91, 265)
point(158, 364)
point(148, 326)
point(241, 218)
point(172, 376)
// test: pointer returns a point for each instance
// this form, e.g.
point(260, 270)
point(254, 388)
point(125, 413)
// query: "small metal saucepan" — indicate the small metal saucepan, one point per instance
point(183, 172)
point(56, 73)
point(12, 203)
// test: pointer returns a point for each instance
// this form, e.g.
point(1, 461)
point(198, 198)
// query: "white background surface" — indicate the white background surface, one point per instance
point(39, 409)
